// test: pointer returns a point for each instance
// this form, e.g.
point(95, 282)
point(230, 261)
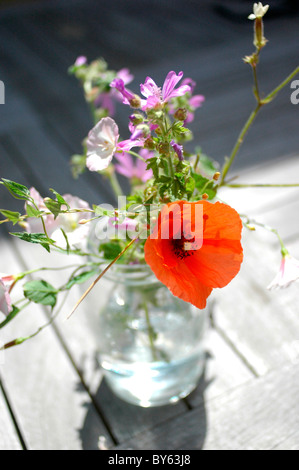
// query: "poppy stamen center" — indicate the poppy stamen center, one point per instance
point(184, 247)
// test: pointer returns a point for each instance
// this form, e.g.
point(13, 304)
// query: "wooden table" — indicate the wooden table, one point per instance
point(52, 395)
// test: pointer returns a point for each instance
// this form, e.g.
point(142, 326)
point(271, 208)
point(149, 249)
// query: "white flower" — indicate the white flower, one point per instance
point(5, 301)
point(288, 272)
point(101, 144)
point(258, 11)
point(70, 223)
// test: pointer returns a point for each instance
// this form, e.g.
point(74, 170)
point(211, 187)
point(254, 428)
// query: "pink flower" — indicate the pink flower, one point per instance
point(155, 97)
point(7, 279)
point(127, 96)
point(194, 103)
point(33, 224)
point(81, 60)
point(287, 274)
point(69, 222)
point(101, 144)
point(138, 137)
point(106, 99)
point(5, 300)
point(130, 169)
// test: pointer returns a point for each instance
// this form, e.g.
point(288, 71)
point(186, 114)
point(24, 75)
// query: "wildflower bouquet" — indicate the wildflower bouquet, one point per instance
point(172, 219)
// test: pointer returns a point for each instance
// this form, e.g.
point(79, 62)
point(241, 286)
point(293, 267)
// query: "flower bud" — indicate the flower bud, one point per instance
point(149, 143)
point(259, 10)
point(181, 114)
point(216, 176)
point(163, 148)
point(205, 196)
point(135, 102)
point(136, 119)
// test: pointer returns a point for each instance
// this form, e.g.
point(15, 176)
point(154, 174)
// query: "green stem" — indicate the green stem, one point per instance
point(249, 122)
point(238, 144)
point(256, 85)
point(269, 229)
point(115, 184)
point(21, 340)
point(136, 155)
point(280, 87)
point(43, 222)
point(150, 333)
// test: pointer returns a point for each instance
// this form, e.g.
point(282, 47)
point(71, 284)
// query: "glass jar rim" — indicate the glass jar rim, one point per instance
point(135, 273)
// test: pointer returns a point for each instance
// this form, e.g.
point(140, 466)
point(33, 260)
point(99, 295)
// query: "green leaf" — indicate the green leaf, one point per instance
point(60, 199)
point(34, 238)
point(80, 278)
point(10, 316)
point(178, 129)
point(204, 185)
point(14, 217)
point(32, 211)
point(100, 211)
point(17, 190)
point(110, 249)
point(53, 206)
point(153, 164)
point(41, 292)
point(190, 185)
point(164, 179)
point(206, 164)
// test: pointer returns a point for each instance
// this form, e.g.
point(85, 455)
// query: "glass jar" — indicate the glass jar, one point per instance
point(151, 342)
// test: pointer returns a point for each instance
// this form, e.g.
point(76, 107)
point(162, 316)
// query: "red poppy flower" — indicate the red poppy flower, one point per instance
point(194, 248)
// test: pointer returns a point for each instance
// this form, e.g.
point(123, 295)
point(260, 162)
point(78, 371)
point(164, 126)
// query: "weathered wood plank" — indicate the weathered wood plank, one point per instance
point(260, 415)
point(224, 369)
point(263, 325)
point(276, 207)
point(52, 407)
point(9, 439)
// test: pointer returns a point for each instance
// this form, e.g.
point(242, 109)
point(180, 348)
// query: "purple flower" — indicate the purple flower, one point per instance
point(194, 102)
point(178, 150)
point(128, 97)
point(155, 97)
point(125, 76)
point(81, 60)
point(104, 100)
point(130, 169)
